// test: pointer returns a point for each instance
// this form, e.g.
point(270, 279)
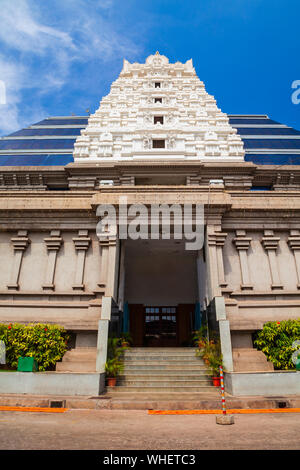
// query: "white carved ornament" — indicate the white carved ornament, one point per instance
point(193, 127)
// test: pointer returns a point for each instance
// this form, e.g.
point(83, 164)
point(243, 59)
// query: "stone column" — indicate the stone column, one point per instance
point(82, 243)
point(242, 244)
point(294, 244)
point(121, 287)
point(103, 327)
point(53, 244)
point(225, 336)
point(112, 273)
point(20, 243)
point(109, 259)
point(270, 244)
point(220, 240)
point(212, 263)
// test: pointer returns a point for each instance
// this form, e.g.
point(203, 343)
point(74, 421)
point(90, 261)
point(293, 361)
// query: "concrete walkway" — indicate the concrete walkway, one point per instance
point(131, 430)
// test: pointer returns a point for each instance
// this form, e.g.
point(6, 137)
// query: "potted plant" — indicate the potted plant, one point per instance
point(125, 340)
point(112, 368)
point(114, 363)
point(214, 365)
point(215, 361)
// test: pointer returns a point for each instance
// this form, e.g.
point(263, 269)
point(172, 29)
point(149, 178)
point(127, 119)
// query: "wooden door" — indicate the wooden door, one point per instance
point(185, 314)
point(137, 323)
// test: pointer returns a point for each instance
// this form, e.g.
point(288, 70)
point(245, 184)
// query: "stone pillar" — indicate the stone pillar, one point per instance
point(109, 260)
point(20, 243)
point(294, 244)
point(53, 244)
point(112, 272)
point(220, 240)
point(121, 287)
point(270, 244)
point(212, 263)
point(224, 330)
point(242, 244)
point(82, 243)
point(214, 245)
point(103, 327)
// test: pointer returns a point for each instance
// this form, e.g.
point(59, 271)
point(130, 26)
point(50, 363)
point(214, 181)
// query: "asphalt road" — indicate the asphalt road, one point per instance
point(132, 430)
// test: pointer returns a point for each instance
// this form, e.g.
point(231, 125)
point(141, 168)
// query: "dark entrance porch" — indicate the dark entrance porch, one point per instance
point(161, 326)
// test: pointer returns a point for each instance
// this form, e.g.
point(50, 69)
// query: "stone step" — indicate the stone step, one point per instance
point(147, 374)
point(159, 389)
point(130, 352)
point(253, 366)
point(196, 403)
point(83, 366)
point(182, 397)
point(81, 358)
point(161, 348)
point(80, 353)
point(165, 358)
point(163, 383)
point(164, 366)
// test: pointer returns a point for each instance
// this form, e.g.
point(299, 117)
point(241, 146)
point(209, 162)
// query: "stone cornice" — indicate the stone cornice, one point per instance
point(86, 176)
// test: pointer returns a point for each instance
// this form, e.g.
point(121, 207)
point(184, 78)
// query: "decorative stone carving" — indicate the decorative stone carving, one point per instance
point(20, 244)
point(216, 242)
point(82, 243)
point(199, 129)
point(294, 244)
point(53, 244)
point(242, 244)
point(270, 244)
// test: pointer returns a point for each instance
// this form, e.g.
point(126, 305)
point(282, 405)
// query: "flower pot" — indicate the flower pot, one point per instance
point(216, 381)
point(111, 381)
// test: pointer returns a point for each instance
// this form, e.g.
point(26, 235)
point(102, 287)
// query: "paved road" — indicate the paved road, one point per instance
point(114, 429)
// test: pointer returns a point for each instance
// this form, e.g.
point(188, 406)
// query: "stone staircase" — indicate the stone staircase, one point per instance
point(249, 359)
point(162, 373)
point(78, 360)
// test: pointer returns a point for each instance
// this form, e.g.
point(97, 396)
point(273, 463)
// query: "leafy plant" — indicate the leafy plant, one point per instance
point(115, 349)
point(113, 367)
point(276, 340)
point(209, 350)
point(46, 343)
point(126, 339)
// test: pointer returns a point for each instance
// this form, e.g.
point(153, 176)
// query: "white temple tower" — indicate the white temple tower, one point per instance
point(158, 110)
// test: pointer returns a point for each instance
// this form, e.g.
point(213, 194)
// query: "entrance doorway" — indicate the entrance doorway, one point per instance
point(160, 326)
point(161, 291)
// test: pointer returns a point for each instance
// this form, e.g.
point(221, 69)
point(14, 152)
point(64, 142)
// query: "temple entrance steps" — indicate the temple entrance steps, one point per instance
point(162, 373)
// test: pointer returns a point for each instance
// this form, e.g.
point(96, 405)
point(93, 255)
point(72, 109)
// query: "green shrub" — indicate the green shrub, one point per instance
point(46, 343)
point(276, 339)
point(115, 349)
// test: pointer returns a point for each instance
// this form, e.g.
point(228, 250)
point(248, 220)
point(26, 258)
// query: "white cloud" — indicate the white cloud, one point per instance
point(42, 41)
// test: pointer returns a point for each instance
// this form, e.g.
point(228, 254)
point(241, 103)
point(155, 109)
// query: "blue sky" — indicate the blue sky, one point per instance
point(59, 57)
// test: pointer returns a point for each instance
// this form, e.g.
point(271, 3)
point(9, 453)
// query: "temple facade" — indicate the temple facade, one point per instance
point(158, 138)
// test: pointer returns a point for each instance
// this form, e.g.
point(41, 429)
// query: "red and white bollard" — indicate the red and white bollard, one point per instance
point(224, 418)
point(222, 391)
